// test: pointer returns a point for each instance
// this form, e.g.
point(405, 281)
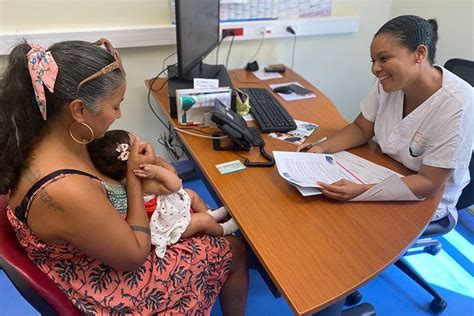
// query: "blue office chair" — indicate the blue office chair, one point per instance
point(465, 70)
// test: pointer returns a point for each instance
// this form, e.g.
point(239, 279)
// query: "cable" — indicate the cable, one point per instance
point(198, 135)
point(218, 46)
point(289, 29)
point(166, 58)
point(149, 95)
point(174, 150)
point(259, 47)
point(228, 52)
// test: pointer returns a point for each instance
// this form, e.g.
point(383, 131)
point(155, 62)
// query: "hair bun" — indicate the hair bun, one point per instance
point(433, 24)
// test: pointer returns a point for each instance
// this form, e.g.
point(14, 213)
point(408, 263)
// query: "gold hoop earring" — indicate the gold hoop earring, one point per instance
point(82, 142)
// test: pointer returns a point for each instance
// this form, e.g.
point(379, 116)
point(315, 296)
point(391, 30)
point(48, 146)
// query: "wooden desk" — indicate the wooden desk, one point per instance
point(316, 250)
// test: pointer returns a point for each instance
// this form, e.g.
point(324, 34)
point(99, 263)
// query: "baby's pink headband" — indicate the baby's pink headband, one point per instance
point(43, 71)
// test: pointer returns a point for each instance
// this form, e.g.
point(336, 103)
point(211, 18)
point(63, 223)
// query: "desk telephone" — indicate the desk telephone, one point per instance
point(242, 136)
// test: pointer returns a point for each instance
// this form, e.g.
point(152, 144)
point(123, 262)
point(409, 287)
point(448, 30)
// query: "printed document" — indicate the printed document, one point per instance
point(304, 170)
point(390, 189)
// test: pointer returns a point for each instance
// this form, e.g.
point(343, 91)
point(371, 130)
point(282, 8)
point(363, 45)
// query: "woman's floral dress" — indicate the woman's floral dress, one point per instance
point(186, 281)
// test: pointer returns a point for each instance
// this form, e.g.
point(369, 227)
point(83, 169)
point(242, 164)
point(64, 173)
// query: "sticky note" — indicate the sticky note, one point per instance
point(231, 166)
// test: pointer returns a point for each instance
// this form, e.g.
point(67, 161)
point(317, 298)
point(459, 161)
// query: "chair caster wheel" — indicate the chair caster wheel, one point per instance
point(433, 250)
point(438, 306)
point(353, 298)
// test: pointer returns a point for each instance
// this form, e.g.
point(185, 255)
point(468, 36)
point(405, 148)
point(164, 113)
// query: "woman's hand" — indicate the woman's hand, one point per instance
point(309, 148)
point(343, 189)
point(147, 153)
point(135, 158)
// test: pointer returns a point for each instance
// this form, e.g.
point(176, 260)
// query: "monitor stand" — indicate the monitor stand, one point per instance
point(201, 71)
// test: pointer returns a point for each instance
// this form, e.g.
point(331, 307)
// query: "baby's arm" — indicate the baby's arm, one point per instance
point(158, 180)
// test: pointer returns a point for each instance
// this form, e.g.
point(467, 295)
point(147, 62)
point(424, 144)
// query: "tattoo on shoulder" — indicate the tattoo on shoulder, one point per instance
point(50, 203)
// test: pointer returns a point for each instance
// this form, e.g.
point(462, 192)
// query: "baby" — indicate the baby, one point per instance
point(175, 212)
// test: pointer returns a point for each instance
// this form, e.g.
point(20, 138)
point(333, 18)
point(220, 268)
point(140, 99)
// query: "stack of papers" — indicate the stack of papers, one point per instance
point(304, 170)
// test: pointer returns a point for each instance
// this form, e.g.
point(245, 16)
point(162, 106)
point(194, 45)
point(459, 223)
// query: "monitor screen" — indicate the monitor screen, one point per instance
point(197, 32)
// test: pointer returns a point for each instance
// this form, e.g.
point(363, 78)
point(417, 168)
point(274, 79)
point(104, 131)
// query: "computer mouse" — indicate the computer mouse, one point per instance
point(283, 89)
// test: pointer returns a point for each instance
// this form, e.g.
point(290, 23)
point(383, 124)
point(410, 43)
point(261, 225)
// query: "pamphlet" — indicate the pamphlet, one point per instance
point(292, 96)
point(299, 135)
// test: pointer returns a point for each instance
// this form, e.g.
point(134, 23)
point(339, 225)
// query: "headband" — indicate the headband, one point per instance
point(43, 71)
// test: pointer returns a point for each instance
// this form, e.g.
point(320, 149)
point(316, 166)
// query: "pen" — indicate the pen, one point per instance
point(305, 149)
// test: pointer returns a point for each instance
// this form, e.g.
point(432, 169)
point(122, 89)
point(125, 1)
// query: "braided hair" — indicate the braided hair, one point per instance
point(412, 31)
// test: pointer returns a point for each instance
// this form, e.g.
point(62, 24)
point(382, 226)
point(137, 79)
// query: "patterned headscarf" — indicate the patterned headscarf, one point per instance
point(43, 72)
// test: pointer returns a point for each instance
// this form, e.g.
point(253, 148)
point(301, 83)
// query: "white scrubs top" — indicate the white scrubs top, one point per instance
point(438, 133)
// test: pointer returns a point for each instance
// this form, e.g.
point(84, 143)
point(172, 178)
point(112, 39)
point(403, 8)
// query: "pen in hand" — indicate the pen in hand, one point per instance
point(305, 149)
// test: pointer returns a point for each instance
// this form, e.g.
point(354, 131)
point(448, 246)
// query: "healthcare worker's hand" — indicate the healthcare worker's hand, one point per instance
point(343, 189)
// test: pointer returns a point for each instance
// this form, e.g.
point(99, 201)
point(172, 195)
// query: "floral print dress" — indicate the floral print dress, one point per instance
point(186, 281)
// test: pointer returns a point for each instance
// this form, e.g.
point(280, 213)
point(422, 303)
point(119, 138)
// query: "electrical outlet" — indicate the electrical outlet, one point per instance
point(267, 30)
point(233, 32)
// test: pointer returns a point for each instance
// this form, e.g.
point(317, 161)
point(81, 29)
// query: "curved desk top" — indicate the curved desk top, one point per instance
point(316, 250)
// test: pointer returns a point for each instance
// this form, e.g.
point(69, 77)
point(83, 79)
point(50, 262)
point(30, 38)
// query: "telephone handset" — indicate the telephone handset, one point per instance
point(233, 125)
point(242, 136)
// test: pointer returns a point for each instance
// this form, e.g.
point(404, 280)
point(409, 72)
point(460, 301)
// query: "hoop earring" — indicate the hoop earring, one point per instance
point(82, 142)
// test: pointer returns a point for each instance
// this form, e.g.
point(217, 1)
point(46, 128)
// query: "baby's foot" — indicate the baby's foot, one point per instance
point(229, 227)
point(219, 213)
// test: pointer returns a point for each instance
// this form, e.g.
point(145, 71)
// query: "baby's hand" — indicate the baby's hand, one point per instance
point(147, 171)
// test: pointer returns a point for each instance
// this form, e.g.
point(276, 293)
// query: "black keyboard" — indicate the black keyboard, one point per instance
point(270, 115)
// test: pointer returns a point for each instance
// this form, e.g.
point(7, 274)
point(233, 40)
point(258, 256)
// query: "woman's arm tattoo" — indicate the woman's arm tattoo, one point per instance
point(142, 229)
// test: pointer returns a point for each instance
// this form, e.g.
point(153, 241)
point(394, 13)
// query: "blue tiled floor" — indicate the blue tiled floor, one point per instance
point(392, 293)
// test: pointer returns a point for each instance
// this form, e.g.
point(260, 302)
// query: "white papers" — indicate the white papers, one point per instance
point(390, 189)
point(364, 169)
point(303, 170)
point(305, 191)
point(201, 83)
point(262, 75)
point(292, 96)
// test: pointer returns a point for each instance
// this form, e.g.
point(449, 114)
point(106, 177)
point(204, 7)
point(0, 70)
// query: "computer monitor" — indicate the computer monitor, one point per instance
point(197, 34)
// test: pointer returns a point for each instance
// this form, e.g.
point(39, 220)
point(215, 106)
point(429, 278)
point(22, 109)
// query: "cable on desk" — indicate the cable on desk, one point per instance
point(218, 46)
point(174, 150)
point(259, 47)
point(150, 88)
point(289, 29)
point(228, 52)
point(185, 130)
point(166, 58)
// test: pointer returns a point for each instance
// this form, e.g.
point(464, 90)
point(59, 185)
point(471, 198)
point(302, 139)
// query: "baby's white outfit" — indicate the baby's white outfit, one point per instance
point(169, 220)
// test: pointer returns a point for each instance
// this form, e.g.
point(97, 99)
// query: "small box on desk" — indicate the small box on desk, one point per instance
point(174, 84)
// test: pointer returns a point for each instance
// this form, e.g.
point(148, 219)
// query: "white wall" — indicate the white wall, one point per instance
point(455, 24)
point(339, 65)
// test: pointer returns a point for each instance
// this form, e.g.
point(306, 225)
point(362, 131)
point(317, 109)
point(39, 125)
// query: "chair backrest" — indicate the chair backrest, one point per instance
point(467, 196)
point(35, 286)
point(462, 68)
